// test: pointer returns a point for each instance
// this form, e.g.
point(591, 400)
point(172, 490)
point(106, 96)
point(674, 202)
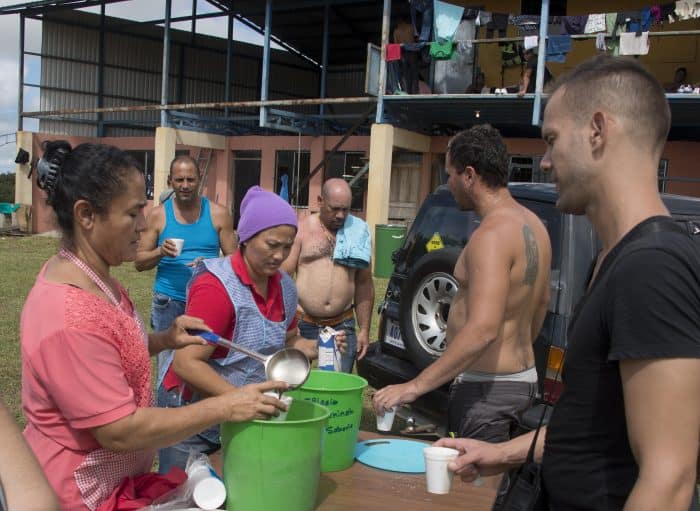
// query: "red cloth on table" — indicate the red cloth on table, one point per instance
point(137, 492)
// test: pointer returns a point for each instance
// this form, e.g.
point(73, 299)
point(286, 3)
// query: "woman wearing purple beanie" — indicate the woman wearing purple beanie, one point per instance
point(244, 297)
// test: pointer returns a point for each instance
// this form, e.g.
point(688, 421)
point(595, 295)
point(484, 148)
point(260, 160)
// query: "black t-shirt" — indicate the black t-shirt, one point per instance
point(645, 304)
point(532, 64)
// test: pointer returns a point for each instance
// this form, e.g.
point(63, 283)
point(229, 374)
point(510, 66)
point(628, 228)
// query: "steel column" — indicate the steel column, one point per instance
point(165, 84)
point(382, 64)
point(264, 85)
point(541, 54)
point(20, 91)
point(101, 73)
point(324, 56)
point(229, 56)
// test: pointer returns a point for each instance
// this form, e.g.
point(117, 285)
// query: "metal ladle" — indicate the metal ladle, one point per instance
point(289, 365)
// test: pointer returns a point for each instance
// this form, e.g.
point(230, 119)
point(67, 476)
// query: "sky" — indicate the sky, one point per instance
point(140, 10)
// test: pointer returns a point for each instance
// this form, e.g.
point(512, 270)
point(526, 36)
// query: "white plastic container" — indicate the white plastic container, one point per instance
point(208, 491)
point(386, 421)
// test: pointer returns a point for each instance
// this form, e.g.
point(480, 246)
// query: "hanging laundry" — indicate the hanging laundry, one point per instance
point(668, 12)
point(424, 9)
point(527, 24)
point(656, 16)
point(612, 40)
point(446, 19)
point(485, 17)
point(498, 22)
point(511, 54)
point(632, 44)
point(632, 21)
point(393, 52)
point(530, 41)
point(455, 75)
point(600, 42)
point(594, 24)
point(557, 47)
point(574, 25)
point(441, 51)
point(684, 9)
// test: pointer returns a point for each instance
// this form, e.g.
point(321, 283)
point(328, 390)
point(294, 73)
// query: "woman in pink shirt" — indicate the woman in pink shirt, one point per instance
point(86, 372)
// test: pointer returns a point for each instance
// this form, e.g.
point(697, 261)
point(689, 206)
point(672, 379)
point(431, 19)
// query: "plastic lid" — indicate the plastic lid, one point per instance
point(209, 493)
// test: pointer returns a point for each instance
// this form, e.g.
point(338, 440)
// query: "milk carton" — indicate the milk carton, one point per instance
point(328, 354)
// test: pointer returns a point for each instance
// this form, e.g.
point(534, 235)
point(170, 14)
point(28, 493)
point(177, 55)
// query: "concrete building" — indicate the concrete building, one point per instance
point(314, 108)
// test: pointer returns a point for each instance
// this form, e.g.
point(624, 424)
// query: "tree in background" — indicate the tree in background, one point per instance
point(7, 188)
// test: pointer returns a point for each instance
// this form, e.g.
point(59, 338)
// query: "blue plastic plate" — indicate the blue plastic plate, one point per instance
point(392, 454)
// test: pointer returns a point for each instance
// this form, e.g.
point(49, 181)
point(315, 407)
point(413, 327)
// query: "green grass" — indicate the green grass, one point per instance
point(22, 258)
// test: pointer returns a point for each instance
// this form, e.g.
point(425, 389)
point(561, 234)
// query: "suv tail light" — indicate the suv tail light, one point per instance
point(553, 385)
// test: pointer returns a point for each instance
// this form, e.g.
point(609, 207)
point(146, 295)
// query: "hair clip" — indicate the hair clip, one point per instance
point(47, 170)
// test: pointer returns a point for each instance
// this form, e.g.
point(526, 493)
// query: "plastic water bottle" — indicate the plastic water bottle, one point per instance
point(328, 354)
point(208, 490)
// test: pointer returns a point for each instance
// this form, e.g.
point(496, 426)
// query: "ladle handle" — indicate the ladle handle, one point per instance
point(212, 338)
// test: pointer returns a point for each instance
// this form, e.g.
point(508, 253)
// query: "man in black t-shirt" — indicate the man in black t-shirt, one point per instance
point(624, 433)
point(527, 84)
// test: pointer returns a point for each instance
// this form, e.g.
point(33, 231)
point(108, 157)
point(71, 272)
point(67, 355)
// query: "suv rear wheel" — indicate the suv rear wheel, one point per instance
point(425, 305)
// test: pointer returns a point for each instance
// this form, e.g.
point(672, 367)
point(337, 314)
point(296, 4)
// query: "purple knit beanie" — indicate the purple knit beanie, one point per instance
point(262, 210)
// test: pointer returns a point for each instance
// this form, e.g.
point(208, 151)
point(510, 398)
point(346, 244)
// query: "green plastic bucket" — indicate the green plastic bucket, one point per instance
point(274, 465)
point(341, 393)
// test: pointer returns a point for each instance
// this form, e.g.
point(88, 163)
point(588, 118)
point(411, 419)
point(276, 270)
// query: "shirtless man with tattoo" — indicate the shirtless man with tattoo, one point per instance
point(331, 293)
point(503, 275)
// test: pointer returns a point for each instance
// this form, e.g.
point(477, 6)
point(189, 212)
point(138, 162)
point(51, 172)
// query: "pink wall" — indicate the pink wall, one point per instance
point(317, 146)
point(682, 157)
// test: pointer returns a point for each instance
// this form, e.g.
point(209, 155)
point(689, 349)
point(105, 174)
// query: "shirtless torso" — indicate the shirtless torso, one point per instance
point(325, 289)
point(524, 258)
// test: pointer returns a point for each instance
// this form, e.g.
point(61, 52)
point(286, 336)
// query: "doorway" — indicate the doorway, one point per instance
point(246, 174)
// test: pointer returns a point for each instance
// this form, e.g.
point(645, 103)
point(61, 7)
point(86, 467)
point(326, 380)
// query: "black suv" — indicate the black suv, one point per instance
point(413, 315)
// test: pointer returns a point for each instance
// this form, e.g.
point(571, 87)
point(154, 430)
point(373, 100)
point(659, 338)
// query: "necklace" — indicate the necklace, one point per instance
point(67, 254)
point(329, 237)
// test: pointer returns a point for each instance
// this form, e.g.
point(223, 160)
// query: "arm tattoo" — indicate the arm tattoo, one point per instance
point(531, 256)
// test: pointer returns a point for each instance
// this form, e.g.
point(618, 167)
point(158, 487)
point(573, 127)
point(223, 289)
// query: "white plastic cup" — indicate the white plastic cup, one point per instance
point(208, 491)
point(437, 476)
point(179, 243)
point(287, 400)
point(386, 421)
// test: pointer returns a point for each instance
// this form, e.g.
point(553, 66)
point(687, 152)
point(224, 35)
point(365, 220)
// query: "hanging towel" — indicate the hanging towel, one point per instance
point(353, 244)
point(284, 187)
point(393, 52)
point(530, 41)
point(441, 51)
point(595, 24)
point(631, 44)
point(557, 47)
point(446, 19)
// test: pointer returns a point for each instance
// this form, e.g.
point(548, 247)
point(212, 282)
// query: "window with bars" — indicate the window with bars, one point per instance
point(291, 176)
point(349, 165)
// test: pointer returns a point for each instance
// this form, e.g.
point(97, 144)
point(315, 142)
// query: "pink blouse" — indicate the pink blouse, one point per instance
point(85, 363)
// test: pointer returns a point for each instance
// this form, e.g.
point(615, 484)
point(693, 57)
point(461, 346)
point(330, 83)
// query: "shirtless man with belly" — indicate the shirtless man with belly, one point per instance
point(330, 293)
point(504, 276)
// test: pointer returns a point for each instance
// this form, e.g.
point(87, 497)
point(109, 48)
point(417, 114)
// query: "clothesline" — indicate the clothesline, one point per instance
point(575, 36)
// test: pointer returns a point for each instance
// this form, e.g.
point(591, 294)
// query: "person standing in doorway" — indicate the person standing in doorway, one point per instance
point(331, 259)
point(204, 226)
